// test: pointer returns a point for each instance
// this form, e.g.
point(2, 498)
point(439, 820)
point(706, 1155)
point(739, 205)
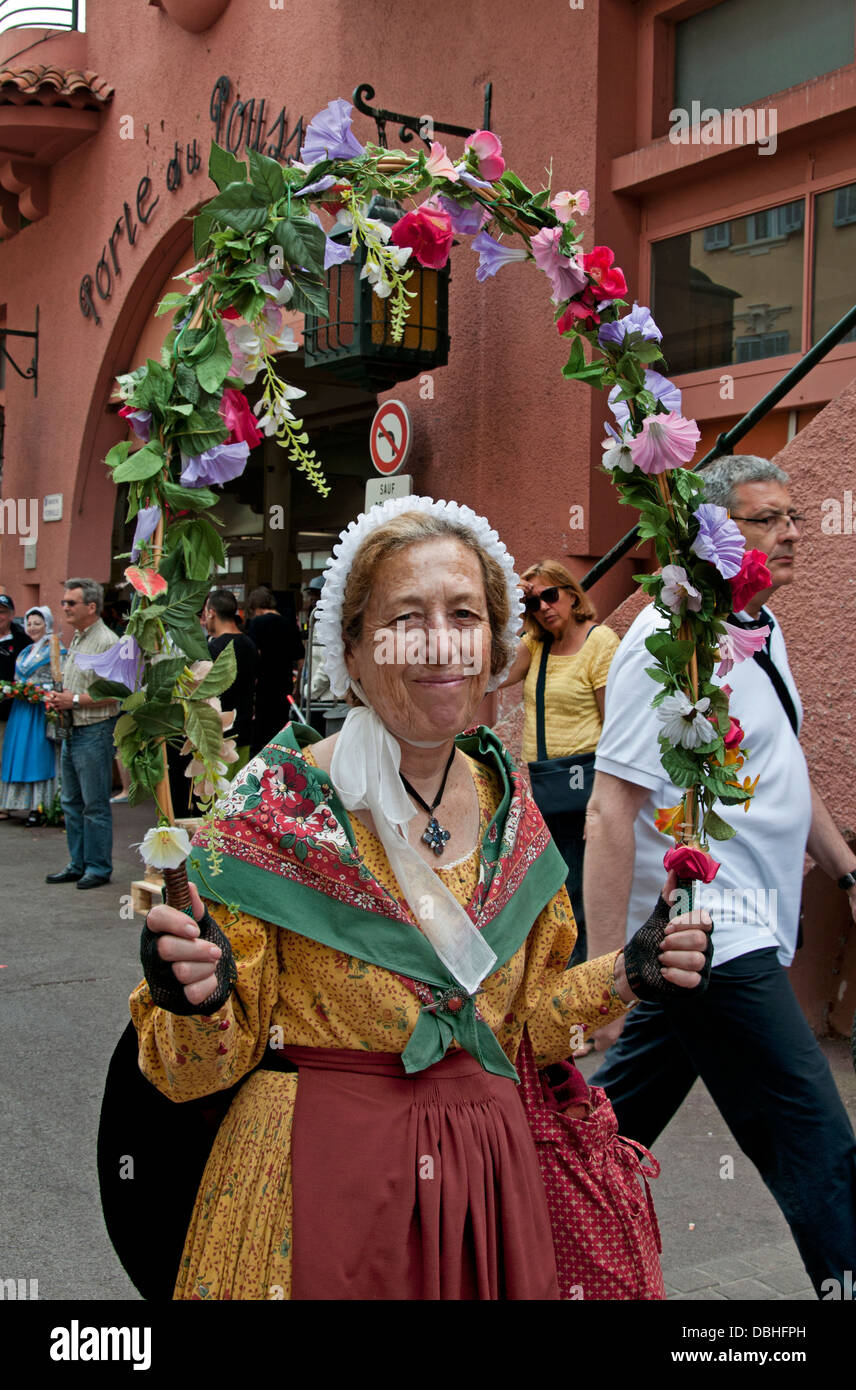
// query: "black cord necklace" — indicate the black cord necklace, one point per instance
point(434, 834)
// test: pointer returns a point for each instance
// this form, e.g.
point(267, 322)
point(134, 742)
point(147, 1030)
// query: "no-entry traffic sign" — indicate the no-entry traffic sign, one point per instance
point(390, 437)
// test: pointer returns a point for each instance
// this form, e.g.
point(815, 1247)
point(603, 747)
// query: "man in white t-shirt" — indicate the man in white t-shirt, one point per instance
point(746, 1037)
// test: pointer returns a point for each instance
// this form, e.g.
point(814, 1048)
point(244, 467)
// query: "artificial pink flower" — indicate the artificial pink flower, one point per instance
point(752, 577)
point(566, 204)
point(666, 441)
point(599, 264)
point(678, 590)
point(229, 313)
point(739, 643)
point(735, 735)
point(428, 232)
point(488, 151)
point(239, 419)
point(563, 273)
point(439, 165)
point(687, 862)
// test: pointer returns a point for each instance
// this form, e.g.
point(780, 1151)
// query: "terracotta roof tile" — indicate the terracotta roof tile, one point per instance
point(50, 86)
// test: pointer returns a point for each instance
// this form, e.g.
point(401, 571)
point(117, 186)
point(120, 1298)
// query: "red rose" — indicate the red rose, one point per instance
point(598, 263)
point(582, 307)
point(691, 863)
point(752, 577)
point(735, 735)
point(429, 232)
point(239, 419)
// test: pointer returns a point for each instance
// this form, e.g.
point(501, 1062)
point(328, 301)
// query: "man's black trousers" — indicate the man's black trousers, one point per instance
point(748, 1040)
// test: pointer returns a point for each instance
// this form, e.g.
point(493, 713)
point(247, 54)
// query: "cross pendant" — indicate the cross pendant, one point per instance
point(435, 835)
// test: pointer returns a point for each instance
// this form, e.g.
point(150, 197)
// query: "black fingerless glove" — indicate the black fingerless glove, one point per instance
point(165, 989)
point(642, 960)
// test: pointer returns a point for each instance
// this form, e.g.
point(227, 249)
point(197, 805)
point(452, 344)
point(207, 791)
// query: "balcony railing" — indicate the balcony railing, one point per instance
point(14, 15)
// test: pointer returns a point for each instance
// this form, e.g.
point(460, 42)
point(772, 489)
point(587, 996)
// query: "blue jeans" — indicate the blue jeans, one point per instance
point(748, 1040)
point(87, 781)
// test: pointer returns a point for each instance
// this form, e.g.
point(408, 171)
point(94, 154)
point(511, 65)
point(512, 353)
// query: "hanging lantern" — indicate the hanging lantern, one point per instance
point(355, 340)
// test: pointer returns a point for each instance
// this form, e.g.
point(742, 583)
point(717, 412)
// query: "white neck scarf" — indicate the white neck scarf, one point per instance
point(365, 772)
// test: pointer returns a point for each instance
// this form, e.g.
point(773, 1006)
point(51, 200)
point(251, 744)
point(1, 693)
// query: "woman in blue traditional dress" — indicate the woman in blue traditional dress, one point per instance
point(28, 774)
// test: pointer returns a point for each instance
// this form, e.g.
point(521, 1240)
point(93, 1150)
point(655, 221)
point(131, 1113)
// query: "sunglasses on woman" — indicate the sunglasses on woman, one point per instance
point(533, 602)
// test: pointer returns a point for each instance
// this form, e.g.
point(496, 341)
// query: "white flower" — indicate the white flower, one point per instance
point(617, 455)
point(400, 255)
point(204, 785)
point(373, 272)
point(677, 588)
point(684, 724)
point(278, 411)
point(165, 847)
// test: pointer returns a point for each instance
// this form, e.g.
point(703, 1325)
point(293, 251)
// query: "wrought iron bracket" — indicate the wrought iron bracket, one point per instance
point(414, 125)
point(30, 373)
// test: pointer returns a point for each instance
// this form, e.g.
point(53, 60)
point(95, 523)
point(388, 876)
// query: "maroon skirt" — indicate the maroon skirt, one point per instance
point(414, 1187)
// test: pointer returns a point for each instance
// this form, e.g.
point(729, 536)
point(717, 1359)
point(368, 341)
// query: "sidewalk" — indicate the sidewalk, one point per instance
point(69, 961)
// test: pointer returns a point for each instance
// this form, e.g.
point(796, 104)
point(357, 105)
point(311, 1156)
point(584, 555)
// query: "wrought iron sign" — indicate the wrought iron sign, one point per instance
point(30, 373)
point(422, 126)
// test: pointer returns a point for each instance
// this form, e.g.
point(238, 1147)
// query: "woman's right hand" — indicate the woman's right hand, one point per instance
point(193, 960)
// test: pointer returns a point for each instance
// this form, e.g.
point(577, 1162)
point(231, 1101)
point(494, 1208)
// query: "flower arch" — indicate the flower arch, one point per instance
point(262, 249)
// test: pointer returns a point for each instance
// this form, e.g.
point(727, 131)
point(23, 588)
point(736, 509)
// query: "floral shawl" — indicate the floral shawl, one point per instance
point(282, 820)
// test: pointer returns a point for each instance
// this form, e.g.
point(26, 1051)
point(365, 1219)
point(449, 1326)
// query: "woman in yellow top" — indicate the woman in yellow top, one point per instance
point(561, 629)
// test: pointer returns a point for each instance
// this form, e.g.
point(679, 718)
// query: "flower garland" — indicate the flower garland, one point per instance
point(262, 250)
point(28, 691)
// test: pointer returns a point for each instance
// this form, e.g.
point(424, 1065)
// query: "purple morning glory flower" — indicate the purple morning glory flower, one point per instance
point(218, 465)
point(466, 221)
point(329, 134)
point(493, 255)
point(466, 177)
point(335, 252)
point(639, 320)
point(664, 390)
point(122, 662)
point(719, 539)
point(318, 186)
point(139, 420)
point(147, 520)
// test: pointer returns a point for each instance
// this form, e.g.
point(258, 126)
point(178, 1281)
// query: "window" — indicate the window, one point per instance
point(845, 206)
point(731, 292)
point(834, 259)
point(741, 51)
point(717, 237)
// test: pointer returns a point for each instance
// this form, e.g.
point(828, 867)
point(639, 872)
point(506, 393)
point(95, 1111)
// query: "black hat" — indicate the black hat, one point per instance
point(7, 602)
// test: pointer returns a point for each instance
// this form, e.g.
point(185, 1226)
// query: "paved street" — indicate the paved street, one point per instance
point(69, 962)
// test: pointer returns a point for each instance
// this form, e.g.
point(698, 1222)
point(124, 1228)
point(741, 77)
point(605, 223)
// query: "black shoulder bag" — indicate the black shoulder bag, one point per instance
point(560, 786)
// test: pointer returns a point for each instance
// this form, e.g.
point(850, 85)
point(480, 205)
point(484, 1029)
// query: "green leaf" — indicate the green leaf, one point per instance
point(224, 168)
point(215, 366)
point(202, 547)
point(181, 498)
point(241, 207)
point(185, 380)
point(102, 689)
point(221, 675)
point(154, 391)
point(647, 351)
point(718, 828)
point(162, 677)
point(267, 177)
point(190, 638)
point(200, 431)
point(577, 360)
point(302, 243)
point(204, 729)
point(169, 302)
point(657, 675)
point(681, 767)
point(157, 719)
point(310, 296)
point(118, 454)
point(145, 463)
point(675, 653)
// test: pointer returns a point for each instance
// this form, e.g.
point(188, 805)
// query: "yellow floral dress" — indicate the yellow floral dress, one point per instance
point(294, 991)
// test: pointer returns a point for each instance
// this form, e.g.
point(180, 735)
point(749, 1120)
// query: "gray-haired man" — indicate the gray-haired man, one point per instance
point(746, 1037)
point(87, 753)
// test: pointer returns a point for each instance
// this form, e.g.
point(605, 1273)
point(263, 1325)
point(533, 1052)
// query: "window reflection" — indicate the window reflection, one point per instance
point(731, 292)
point(834, 259)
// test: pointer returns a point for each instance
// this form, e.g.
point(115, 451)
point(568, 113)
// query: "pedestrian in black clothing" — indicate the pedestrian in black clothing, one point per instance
point(220, 613)
point(280, 647)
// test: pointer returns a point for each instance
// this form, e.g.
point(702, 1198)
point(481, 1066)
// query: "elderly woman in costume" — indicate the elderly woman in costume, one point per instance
point(390, 925)
point(28, 774)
